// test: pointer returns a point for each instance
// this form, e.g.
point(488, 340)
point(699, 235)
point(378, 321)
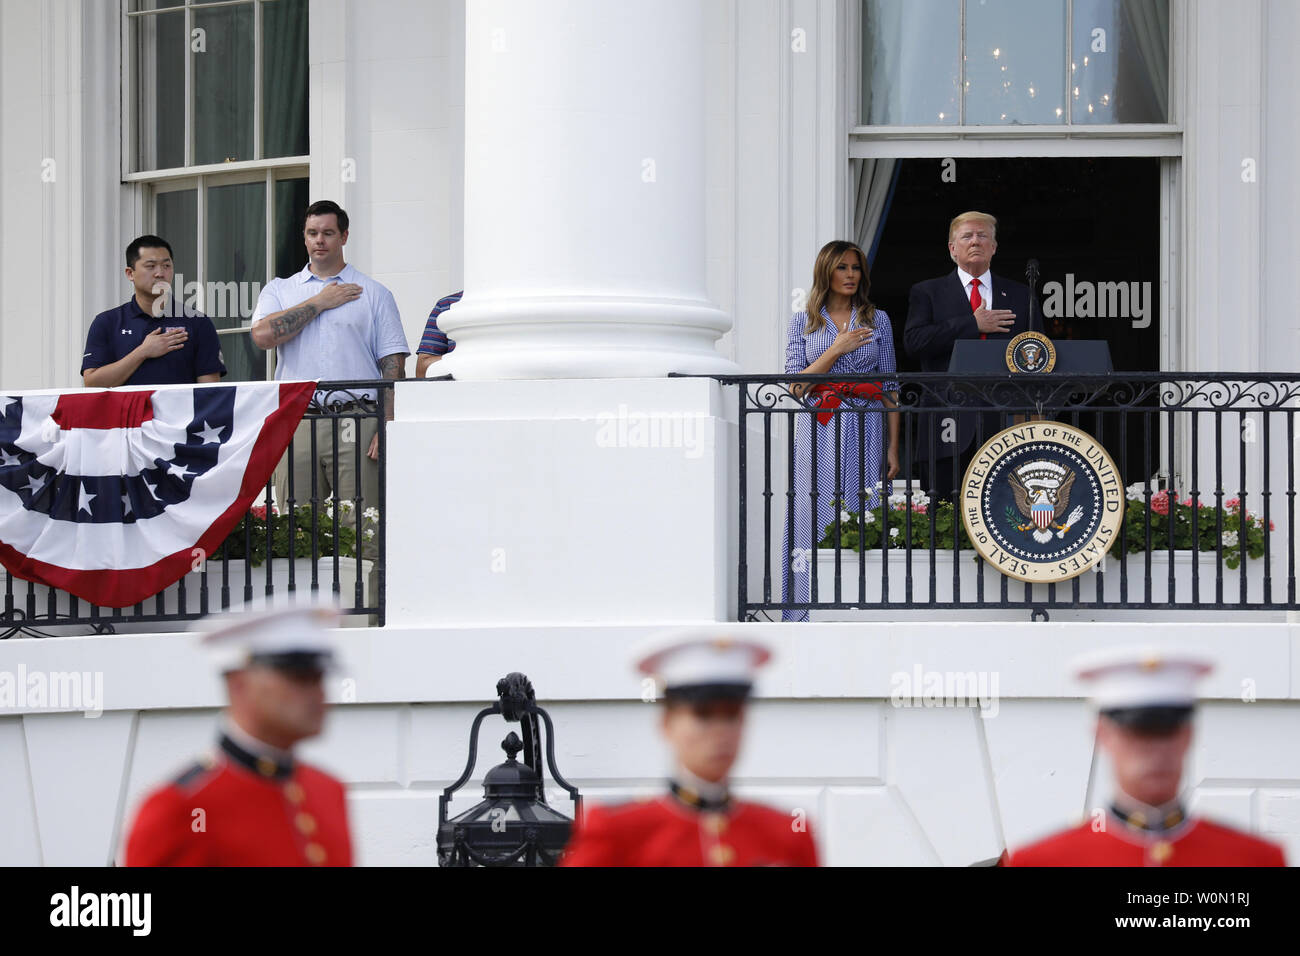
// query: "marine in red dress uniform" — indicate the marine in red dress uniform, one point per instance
point(1193, 842)
point(1145, 703)
point(251, 803)
point(697, 822)
point(241, 809)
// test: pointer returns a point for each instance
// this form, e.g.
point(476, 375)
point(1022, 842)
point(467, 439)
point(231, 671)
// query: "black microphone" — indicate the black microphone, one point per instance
point(1031, 276)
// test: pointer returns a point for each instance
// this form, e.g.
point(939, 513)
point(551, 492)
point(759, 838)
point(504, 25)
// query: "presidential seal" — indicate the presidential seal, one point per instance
point(1042, 501)
point(1031, 352)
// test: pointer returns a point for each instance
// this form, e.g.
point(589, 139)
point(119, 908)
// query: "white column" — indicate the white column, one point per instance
point(49, 158)
point(584, 193)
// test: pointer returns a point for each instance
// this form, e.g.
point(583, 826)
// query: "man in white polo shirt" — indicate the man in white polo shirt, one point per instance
point(331, 322)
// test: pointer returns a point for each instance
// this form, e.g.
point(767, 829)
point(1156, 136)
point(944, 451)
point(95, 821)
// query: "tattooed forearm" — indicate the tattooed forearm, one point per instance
point(394, 367)
point(290, 322)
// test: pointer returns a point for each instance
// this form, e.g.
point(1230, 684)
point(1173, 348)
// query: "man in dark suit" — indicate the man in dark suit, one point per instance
point(970, 302)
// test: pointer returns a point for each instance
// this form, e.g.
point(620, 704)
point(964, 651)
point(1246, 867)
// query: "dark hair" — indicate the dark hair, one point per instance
point(827, 259)
point(324, 207)
point(145, 242)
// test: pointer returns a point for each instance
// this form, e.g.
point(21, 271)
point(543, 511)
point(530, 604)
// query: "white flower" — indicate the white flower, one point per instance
point(898, 500)
point(845, 516)
point(1229, 538)
point(368, 533)
point(893, 532)
point(868, 518)
point(371, 513)
point(1136, 491)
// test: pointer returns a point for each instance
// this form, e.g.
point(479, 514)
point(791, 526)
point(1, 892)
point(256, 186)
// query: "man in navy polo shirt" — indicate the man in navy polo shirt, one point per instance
point(141, 342)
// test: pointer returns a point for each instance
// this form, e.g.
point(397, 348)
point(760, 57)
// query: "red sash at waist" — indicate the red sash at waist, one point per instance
point(832, 396)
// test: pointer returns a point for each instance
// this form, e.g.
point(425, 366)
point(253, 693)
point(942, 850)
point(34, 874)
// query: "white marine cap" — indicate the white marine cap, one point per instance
point(295, 638)
point(702, 666)
point(1125, 678)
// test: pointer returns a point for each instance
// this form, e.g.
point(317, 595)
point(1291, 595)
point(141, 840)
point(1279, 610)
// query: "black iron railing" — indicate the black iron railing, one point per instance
point(298, 542)
point(1208, 461)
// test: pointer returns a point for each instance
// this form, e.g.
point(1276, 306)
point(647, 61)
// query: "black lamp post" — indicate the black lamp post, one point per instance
point(513, 825)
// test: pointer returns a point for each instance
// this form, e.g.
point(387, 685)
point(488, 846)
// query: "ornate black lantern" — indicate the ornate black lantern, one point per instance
point(513, 825)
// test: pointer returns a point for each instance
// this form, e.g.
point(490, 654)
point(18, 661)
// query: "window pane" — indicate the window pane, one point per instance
point(223, 85)
point(236, 252)
point(1119, 67)
point(290, 203)
point(1015, 62)
point(176, 219)
point(154, 4)
point(910, 62)
point(284, 78)
point(245, 362)
point(159, 46)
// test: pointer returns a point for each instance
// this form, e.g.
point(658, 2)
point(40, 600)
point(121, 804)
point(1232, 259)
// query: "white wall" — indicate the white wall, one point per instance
point(387, 88)
point(594, 500)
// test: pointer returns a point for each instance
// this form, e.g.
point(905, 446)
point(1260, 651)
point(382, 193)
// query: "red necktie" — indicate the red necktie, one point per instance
point(975, 300)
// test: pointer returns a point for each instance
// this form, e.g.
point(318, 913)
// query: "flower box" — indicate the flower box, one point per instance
point(1229, 530)
point(1137, 593)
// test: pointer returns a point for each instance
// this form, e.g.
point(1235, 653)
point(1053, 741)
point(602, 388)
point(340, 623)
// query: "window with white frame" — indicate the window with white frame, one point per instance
point(1014, 62)
point(1058, 117)
point(215, 134)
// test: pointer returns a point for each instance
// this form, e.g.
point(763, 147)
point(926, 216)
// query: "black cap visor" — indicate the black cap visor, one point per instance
point(695, 693)
point(297, 663)
point(1163, 719)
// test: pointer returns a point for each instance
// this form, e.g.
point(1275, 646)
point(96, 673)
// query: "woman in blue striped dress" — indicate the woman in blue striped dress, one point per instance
point(841, 332)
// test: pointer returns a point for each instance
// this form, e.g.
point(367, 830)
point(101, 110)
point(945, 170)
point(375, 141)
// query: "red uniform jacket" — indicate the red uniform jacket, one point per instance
point(1195, 843)
point(666, 832)
point(239, 810)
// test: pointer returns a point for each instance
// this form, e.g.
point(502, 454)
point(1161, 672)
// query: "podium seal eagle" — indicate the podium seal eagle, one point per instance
point(1042, 501)
point(1031, 352)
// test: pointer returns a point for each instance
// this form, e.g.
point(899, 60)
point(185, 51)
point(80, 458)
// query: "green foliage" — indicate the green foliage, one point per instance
point(1206, 528)
point(248, 540)
point(865, 529)
point(1201, 528)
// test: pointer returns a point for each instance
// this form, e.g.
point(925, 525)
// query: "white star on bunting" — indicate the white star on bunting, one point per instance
point(84, 498)
point(210, 435)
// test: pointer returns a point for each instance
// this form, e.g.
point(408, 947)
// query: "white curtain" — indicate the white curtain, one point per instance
point(1147, 24)
point(873, 180)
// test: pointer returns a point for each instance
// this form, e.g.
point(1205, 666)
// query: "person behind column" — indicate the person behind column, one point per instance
point(332, 322)
point(840, 332)
point(151, 339)
point(434, 343)
point(251, 802)
point(705, 683)
point(1145, 701)
point(967, 303)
